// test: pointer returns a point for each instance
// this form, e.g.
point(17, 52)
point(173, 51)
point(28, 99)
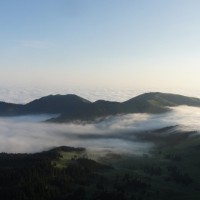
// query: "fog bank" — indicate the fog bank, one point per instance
point(27, 134)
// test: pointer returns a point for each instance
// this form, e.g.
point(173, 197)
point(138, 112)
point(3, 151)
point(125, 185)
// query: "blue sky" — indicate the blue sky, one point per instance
point(108, 43)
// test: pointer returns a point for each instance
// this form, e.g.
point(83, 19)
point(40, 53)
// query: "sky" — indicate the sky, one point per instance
point(136, 44)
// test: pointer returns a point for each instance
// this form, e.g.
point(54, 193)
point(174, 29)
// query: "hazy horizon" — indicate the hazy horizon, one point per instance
point(25, 94)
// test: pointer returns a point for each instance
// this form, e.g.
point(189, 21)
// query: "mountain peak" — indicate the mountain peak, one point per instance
point(72, 107)
point(59, 97)
point(57, 103)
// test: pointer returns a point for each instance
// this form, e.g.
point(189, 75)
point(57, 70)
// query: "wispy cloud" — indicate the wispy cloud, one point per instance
point(16, 45)
point(35, 44)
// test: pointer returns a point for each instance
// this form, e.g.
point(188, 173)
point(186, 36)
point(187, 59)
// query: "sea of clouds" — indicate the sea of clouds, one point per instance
point(17, 94)
point(25, 94)
point(31, 134)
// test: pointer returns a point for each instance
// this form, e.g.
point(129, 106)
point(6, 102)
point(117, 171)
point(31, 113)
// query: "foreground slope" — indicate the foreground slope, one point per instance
point(72, 107)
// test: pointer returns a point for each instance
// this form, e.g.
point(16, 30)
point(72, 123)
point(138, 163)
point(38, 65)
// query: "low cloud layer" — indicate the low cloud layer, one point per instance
point(16, 94)
point(27, 134)
point(25, 94)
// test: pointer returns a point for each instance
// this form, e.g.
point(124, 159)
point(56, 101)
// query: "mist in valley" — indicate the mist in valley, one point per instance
point(116, 134)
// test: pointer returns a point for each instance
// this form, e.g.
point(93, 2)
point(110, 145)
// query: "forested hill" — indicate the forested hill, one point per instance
point(72, 107)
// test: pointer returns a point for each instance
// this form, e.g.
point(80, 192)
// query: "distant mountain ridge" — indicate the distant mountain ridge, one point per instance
point(72, 107)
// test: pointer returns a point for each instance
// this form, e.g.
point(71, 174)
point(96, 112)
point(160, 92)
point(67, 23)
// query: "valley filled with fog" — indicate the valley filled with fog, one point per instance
point(116, 134)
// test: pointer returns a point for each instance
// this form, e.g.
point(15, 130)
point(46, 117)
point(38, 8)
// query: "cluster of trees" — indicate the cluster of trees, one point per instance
point(178, 176)
point(35, 177)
